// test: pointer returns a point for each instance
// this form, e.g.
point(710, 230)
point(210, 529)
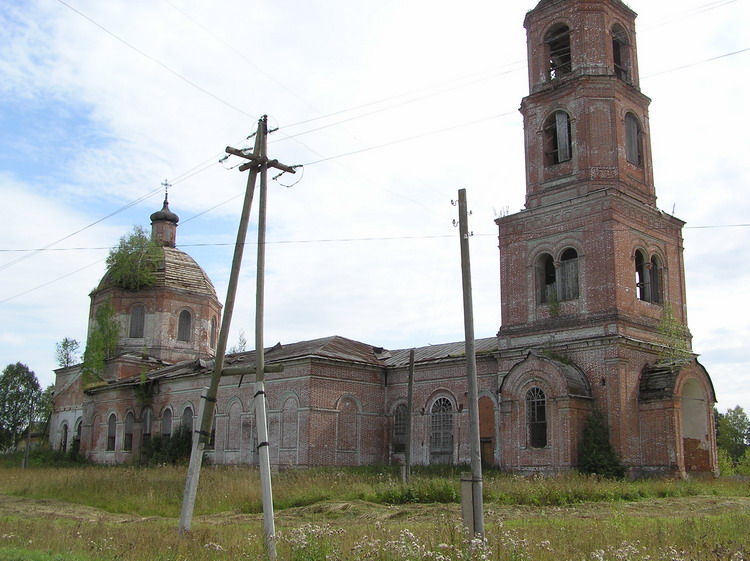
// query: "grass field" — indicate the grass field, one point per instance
point(124, 513)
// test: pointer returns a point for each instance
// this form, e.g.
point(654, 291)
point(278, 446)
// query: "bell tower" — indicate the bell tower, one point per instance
point(591, 269)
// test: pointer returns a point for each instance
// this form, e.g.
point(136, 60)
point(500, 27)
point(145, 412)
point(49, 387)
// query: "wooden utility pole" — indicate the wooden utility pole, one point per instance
point(258, 164)
point(409, 400)
point(477, 514)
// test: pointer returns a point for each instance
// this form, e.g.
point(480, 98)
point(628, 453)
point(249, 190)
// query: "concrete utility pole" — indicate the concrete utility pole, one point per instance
point(473, 517)
point(258, 164)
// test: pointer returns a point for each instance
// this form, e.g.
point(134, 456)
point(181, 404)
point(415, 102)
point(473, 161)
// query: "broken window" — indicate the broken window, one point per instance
point(147, 421)
point(137, 321)
point(441, 433)
point(166, 423)
point(63, 437)
point(621, 53)
point(633, 140)
point(399, 428)
point(111, 432)
point(557, 42)
point(557, 138)
point(536, 418)
point(184, 326)
point(127, 443)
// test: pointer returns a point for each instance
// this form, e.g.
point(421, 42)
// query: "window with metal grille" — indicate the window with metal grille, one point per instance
point(557, 138)
point(184, 326)
point(441, 433)
point(536, 418)
point(137, 321)
point(557, 43)
point(633, 140)
point(399, 428)
point(621, 53)
point(111, 432)
point(127, 442)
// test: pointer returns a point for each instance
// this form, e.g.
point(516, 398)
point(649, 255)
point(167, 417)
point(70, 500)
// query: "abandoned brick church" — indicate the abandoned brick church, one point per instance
point(588, 270)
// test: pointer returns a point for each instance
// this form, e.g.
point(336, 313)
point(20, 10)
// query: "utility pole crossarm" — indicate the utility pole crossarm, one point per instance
point(258, 160)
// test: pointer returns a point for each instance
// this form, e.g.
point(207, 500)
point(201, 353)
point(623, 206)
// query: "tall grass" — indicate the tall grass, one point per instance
point(158, 491)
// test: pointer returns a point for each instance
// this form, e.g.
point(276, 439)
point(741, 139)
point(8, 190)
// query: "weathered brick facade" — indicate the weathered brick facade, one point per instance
point(591, 271)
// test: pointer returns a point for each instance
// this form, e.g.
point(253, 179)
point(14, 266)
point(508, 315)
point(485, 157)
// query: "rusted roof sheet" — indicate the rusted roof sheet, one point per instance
point(658, 380)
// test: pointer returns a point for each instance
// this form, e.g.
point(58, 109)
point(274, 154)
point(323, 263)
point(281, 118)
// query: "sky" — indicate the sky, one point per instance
point(390, 106)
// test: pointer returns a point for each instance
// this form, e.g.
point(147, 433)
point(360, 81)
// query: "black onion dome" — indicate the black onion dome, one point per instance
point(165, 214)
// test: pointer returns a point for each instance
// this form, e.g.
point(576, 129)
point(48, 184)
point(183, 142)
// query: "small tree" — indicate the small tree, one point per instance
point(733, 433)
point(675, 334)
point(595, 452)
point(102, 342)
point(66, 352)
point(19, 391)
point(241, 345)
point(132, 263)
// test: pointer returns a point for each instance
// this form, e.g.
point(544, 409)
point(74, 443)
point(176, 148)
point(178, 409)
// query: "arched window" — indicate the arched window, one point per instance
point(547, 278)
point(558, 281)
point(567, 275)
point(166, 423)
point(655, 280)
point(557, 138)
point(184, 326)
point(63, 437)
point(234, 427)
point(147, 423)
point(399, 428)
point(441, 432)
point(633, 140)
point(127, 443)
point(289, 424)
point(347, 425)
point(137, 321)
point(621, 53)
point(111, 432)
point(212, 335)
point(536, 418)
point(557, 42)
point(77, 431)
point(187, 419)
point(648, 278)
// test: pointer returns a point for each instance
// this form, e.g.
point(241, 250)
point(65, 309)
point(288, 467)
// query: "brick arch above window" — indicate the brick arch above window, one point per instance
point(185, 325)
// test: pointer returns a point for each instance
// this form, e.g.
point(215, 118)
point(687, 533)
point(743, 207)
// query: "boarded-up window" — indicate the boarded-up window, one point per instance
point(633, 140)
point(536, 418)
point(620, 53)
point(441, 432)
point(347, 425)
point(111, 432)
point(557, 42)
point(289, 424)
point(567, 275)
point(399, 428)
point(127, 442)
point(557, 138)
point(234, 430)
point(137, 321)
point(184, 326)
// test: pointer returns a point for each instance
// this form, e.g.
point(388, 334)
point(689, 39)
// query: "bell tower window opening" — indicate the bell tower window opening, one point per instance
point(648, 275)
point(633, 140)
point(621, 53)
point(655, 272)
point(184, 326)
point(557, 43)
point(557, 138)
point(567, 274)
point(547, 279)
point(536, 418)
